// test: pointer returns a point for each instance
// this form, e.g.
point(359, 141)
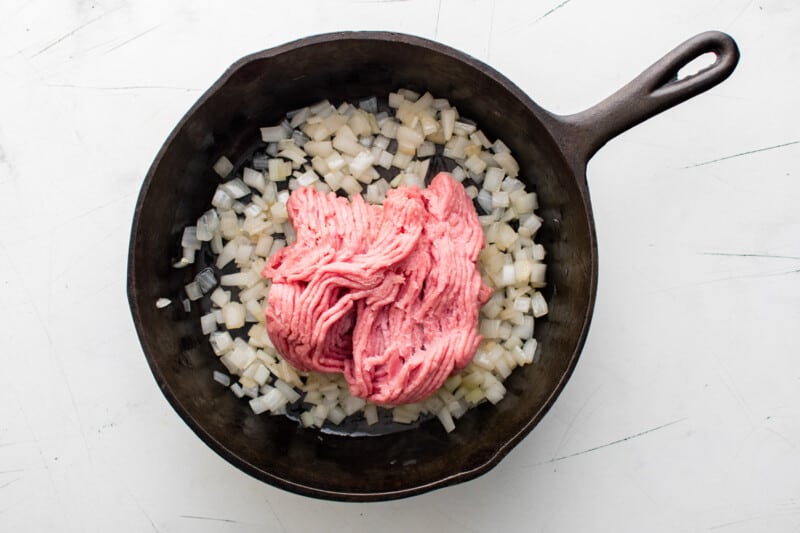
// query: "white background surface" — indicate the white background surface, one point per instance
point(684, 411)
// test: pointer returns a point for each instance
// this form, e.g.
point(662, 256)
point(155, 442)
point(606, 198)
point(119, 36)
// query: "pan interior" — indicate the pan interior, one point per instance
point(258, 91)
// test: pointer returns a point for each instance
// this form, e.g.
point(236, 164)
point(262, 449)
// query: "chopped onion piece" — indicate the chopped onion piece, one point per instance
point(252, 211)
point(448, 119)
point(446, 419)
point(254, 178)
point(298, 117)
point(252, 293)
point(346, 142)
point(513, 184)
point(307, 419)
point(485, 200)
point(389, 129)
point(235, 188)
point(278, 169)
point(493, 179)
point(496, 392)
point(529, 350)
point(493, 306)
point(522, 303)
point(359, 124)
point(500, 199)
point(376, 192)
point(184, 261)
point(220, 297)
point(227, 254)
point(538, 271)
point(256, 311)
point(222, 379)
point(240, 279)
point(507, 276)
point(250, 387)
point(221, 342)
point(466, 127)
point(189, 239)
point(221, 199)
point(272, 401)
point(395, 100)
point(234, 314)
point(260, 374)
point(385, 159)
point(208, 323)
point(522, 273)
point(287, 390)
point(489, 328)
point(207, 225)
point(352, 404)
point(336, 415)
point(205, 280)
point(223, 167)
point(334, 180)
point(275, 133)
point(193, 291)
point(455, 147)
point(295, 154)
point(261, 161)
point(279, 213)
point(228, 224)
point(505, 236)
point(524, 203)
point(320, 413)
point(370, 105)
point(524, 330)
point(237, 390)
point(371, 414)
point(360, 164)
point(350, 185)
point(507, 163)
point(475, 164)
point(538, 305)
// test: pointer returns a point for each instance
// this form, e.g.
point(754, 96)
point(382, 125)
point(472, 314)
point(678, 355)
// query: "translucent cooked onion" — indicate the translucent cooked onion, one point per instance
point(363, 149)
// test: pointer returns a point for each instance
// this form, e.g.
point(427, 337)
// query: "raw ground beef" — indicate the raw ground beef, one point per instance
point(387, 295)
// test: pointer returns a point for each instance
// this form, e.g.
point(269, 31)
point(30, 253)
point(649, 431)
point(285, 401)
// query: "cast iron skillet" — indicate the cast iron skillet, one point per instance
point(552, 151)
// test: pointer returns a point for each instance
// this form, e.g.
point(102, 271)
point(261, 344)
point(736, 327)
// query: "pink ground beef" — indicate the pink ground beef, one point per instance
point(387, 295)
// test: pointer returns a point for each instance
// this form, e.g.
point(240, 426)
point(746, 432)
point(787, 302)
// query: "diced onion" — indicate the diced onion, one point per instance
point(538, 305)
point(223, 167)
point(193, 291)
point(347, 149)
point(222, 379)
point(235, 188)
point(208, 323)
point(275, 133)
point(205, 280)
point(233, 313)
point(446, 419)
point(254, 178)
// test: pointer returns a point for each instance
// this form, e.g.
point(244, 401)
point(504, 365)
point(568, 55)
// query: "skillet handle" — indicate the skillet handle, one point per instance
point(653, 91)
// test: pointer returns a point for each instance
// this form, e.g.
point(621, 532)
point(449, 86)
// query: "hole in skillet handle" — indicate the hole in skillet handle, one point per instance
point(697, 65)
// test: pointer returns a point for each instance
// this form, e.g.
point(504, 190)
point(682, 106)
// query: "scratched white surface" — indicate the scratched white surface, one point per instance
point(684, 411)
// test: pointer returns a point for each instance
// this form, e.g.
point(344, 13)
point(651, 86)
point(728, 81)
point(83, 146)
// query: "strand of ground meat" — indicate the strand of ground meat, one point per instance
point(387, 295)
